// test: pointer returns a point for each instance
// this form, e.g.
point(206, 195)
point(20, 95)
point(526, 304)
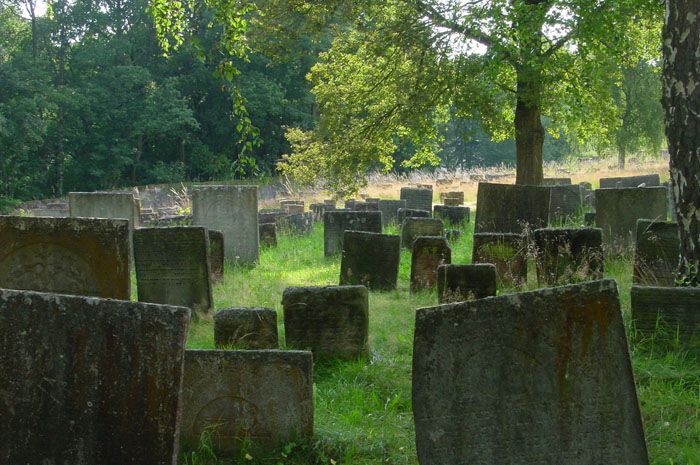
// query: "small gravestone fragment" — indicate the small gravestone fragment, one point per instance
point(539, 377)
point(172, 267)
point(331, 321)
point(246, 328)
point(427, 255)
point(568, 255)
point(645, 180)
point(418, 198)
point(656, 253)
point(216, 254)
point(507, 252)
point(252, 401)
point(458, 283)
point(370, 259)
point(404, 213)
point(89, 380)
point(414, 227)
point(504, 208)
point(336, 223)
point(670, 309)
point(452, 215)
point(390, 210)
point(268, 235)
point(78, 256)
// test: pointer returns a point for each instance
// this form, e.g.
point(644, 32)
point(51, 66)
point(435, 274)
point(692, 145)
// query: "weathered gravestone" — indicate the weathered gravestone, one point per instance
point(539, 377)
point(505, 208)
point(556, 182)
point(216, 254)
point(390, 210)
point(457, 283)
point(565, 202)
point(297, 223)
point(234, 211)
point(453, 215)
point(453, 201)
point(252, 400)
point(404, 213)
point(508, 252)
point(414, 227)
point(350, 204)
point(645, 180)
point(453, 235)
point(336, 223)
point(173, 268)
point(418, 198)
point(567, 255)
point(268, 235)
point(318, 209)
point(88, 380)
point(286, 203)
point(294, 208)
point(246, 328)
point(656, 253)
point(331, 321)
point(77, 256)
point(427, 255)
point(370, 259)
point(269, 215)
point(110, 205)
point(617, 212)
point(676, 309)
point(459, 195)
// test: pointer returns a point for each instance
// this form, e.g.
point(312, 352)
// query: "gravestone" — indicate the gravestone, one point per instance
point(216, 254)
point(370, 259)
point(294, 208)
point(246, 328)
point(453, 201)
point(459, 195)
point(540, 377)
point(318, 209)
point(366, 207)
point(110, 205)
point(567, 255)
point(79, 256)
point(234, 211)
point(390, 210)
point(507, 251)
point(457, 283)
point(286, 203)
point(336, 223)
point(565, 202)
point(505, 208)
point(350, 204)
point(645, 180)
point(453, 235)
point(89, 380)
point(556, 182)
point(673, 308)
point(247, 400)
point(452, 215)
point(414, 227)
point(429, 252)
point(617, 212)
point(589, 219)
point(268, 235)
point(656, 253)
point(418, 198)
point(296, 224)
point(270, 215)
point(331, 321)
point(173, 268)
point(404, 213)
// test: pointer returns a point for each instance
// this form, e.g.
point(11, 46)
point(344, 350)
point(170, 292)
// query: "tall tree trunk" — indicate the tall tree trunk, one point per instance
point(681, 100)
point(529, 132)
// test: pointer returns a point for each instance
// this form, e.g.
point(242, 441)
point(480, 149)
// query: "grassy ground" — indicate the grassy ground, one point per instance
point(363, 409)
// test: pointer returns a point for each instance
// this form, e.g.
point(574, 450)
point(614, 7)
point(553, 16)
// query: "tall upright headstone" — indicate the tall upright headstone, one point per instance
point(89, 380)
point(508, 252)
point(415, 227)
point(110, 205)
point(568, 255)
point(79, 256)
point(370, 259)
point(173, 267)
point(644, 180)
point(656, 253)
point(216, 254)
point(530, 378)
point(428, 253)
point(418, 198)
point(675, 308)
point(337, 222)
point(565, 202)
point(505, 208)
point(234, 211)
point(252, 400)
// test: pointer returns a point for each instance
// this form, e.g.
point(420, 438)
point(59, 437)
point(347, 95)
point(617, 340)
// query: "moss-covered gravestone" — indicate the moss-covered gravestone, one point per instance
point(568, 255)
point(370, 259)
point(508, 252)
point(246, 328)
point(656, 253)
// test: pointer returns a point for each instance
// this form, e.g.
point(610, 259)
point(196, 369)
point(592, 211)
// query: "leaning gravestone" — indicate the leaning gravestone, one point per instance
point(508, 252)
point(390, 210)
point(404, 213)
point(540, 377)
point(645, 180)
point(617, 212)
point(427, 255)
point(450, 214)
point(418, 198)
point(505, 208)
point(268, 235)
point(80, 256)
point(247, 400)
point(216, 254)
point(458, 283)
point(246, 328)
point(673, 307)
point(336, 223)
point(370, 259)
point(110, 205)
point(331, 321)
point(567, 255)
point(414, 227)
point(565, 202)
point(234, 211)
point(173, 268)
point(88, 380)
point(656, 253)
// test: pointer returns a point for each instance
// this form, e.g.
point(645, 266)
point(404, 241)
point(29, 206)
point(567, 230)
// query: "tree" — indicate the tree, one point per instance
point(404, 63)
point(681, 100)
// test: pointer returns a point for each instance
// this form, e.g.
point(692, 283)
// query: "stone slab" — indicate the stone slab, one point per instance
point(370, 259)
point(268, 234)
point(414, 227)
point(452, 215)
point(677, 308)
point(506, 208)
point(246, 328)
point(458, 283)
point(428, 253)
point(216, 254)
point(565, 203)
point(647, 180)
point(418, 198)
point(507, 251)
point(568, 255)
point(109, 205)
point(336, 223)
point(390, 210)
point(656, 253)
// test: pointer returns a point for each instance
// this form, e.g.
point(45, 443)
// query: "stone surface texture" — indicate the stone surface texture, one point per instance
point(414, 227)
point(428, 253)
point(404, 213)
point(336, 223)
point(656, 253)
point(390, 210)
point(565, 202)
point(458, 283)
point(370, 259)
point(506, 208)
point(246, 328)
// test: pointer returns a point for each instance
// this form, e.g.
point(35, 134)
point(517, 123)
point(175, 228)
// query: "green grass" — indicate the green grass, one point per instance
point(363, 408)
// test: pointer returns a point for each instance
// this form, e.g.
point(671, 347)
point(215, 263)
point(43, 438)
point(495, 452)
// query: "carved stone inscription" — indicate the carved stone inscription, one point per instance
point(540, 377)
